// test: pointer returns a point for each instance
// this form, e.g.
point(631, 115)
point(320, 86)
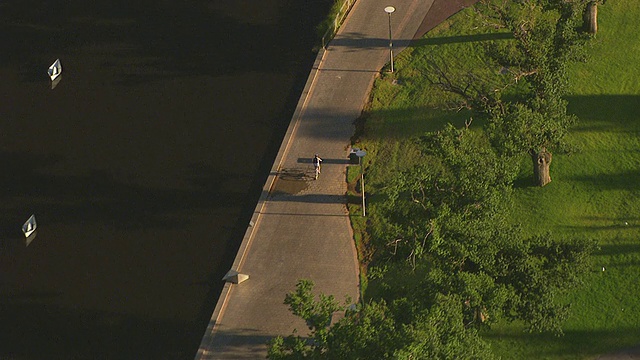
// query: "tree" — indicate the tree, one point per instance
point(379, 331)
point(450, 261)
point(460, 173)
point(547, 38)
point(317, 315)
point(523, 107)
point(440, 333)
point(449, 219)
point(591, 16)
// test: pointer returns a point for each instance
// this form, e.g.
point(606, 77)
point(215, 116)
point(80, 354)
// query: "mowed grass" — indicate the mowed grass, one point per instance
point(594, 193)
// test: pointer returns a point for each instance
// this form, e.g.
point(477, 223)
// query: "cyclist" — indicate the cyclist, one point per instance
point(316, 164)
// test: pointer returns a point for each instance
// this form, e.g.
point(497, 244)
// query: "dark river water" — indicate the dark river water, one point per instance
point(142, 166)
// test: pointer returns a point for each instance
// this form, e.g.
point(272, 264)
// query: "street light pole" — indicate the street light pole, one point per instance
point(360, 154)
point(364, 207)
point(389, 10)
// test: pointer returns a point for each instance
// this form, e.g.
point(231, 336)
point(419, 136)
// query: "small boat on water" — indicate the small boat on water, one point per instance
point(30, 226)
point(55, 69)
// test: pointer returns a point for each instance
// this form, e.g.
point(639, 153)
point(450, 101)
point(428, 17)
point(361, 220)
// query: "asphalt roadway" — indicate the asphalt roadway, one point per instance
point(300, 227)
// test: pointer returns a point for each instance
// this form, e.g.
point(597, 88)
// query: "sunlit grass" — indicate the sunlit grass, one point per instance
point(595, 190)
point(595, 193)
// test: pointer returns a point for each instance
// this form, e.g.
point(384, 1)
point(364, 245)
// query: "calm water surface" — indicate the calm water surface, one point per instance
point(142, 165)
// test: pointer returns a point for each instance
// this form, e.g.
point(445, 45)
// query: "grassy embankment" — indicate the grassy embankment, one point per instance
point(595, 191)
point(329, 26)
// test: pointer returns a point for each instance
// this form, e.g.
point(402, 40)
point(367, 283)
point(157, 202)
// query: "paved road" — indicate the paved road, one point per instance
point(300, 226)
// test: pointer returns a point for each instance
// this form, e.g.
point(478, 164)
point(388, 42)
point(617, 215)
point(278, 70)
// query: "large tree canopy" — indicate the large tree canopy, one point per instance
point(448, 218)
point(546, 40)
point(524, 108)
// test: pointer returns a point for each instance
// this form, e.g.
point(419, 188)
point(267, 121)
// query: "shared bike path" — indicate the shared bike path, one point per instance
point(300, 228)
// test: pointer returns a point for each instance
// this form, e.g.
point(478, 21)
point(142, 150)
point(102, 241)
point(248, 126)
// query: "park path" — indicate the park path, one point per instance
point(300, 227)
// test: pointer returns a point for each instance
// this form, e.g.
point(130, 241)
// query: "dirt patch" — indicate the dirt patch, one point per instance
point(441, 10)
point(291, 182)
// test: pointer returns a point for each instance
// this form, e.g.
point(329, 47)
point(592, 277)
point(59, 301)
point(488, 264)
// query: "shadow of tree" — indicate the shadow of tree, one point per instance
point(605, 112)
point(462, 39)
point(573, 343)
point(238, 344)
point(629, 180)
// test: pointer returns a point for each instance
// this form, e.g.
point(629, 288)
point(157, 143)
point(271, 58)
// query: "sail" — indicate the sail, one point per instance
point(55, 69)
point(30, 226)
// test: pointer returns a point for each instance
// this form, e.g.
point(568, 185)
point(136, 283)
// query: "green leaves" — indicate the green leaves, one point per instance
point(376, 330)
point(461, 175)
point(521, 128)
point(548, 270)
point(450, 213)
point(317, 314)
point(546, 40)
point(439, 333)
point(371, 332)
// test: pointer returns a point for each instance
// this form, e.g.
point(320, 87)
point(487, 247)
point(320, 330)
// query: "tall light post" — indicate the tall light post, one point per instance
point(360, 154)
point(389, 10)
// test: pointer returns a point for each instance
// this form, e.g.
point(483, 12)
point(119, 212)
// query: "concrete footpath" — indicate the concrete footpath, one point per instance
point(301, 229)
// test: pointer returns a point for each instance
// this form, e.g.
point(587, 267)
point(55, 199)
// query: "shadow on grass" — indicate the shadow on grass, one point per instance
point(244, 343)
point(610, 112)
point(602, 227)
point(595, 113)
point(608, 218)
point(524, 181)
point(462, 39)
point(621, 254)
point(597, 223)
point(405, 123)
point(626, 180)
point(354, 199)
point(574, 344)
point(625, 254)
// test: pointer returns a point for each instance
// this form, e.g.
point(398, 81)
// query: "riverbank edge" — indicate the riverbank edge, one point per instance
point(266, 190)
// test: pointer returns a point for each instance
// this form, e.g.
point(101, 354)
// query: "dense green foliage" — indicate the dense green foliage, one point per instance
point(523, 102)
point(450, 215)
point(380, 331)
point(547, 40)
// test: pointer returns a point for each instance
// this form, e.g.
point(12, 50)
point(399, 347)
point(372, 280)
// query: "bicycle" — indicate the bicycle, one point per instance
point(316, 169)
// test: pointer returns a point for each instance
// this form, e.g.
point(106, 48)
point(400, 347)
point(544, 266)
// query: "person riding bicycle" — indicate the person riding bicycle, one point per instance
point(316, 163)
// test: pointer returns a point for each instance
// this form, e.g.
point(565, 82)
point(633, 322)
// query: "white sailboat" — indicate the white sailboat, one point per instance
point(55, 69)
point(30, 226)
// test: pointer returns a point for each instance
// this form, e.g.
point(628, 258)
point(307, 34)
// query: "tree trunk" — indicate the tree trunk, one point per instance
point(541, 162)
point(591, 17)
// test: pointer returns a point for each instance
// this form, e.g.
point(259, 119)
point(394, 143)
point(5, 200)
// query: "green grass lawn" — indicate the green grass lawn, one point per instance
point(594, 193)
